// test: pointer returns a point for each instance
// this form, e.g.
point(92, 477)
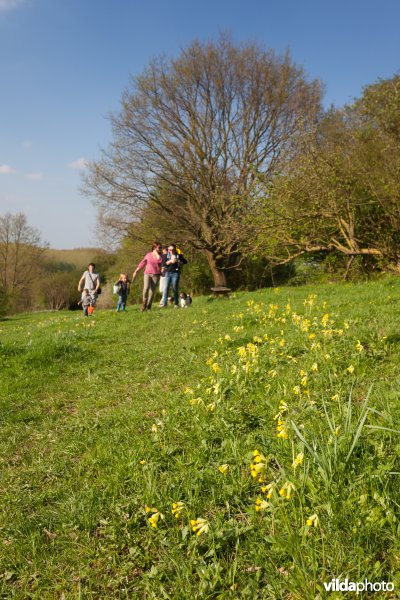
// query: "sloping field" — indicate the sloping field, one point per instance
point(242, 448)
point(79, 257)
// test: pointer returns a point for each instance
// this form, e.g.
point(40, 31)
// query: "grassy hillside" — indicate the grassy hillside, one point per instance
point(238, 449)
point(79, 257)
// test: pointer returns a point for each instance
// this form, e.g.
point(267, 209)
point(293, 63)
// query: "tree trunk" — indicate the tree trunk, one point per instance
point(219, 274)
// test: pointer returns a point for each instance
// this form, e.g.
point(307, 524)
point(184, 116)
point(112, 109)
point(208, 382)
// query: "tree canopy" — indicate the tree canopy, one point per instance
point(194, 137)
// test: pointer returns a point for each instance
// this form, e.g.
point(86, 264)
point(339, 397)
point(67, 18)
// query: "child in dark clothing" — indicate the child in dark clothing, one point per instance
point(123, 284)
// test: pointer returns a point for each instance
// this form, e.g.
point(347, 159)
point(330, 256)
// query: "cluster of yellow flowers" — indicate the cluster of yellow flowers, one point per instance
point(248, 356)
point(155, 516)
point(265, 355)
point(258, 469)
point(199, 525)
point(286, 490)
point(259, 466)
point(281, 425)
point(177, 509)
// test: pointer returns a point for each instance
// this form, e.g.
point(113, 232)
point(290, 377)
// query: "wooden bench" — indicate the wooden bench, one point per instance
point(221, 291)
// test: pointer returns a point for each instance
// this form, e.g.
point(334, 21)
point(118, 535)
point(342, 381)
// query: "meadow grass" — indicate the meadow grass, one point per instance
point(243, 448)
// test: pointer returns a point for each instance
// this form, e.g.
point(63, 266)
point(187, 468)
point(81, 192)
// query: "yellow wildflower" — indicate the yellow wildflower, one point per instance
point(223, 469)
point(258, 466)
point(269, 489)
point(314, 367)
point(154, 428)
point(200, 526)
point(350, 369)
point(298, 460)
point(153, 520)
point(286, 490)
point(359, 346)
point(261, 504)
point(313, 520)
point(194, 401)
point(177, 508)
point(283, 407)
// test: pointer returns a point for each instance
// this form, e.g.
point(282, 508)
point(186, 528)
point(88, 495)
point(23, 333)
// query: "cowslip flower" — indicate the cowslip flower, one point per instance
point(223, 469)
point(325, 320)
point(359, 346)
point(350, 369)
point(200, 526)
point(258, 466)
point(177, 508)
point(313, 520)
point(304, 381)
point(281, 429)
point(298, 460)
point(269, 489)
point(286, 490)
point(194, 401)
point(314, 367)
point(283, 407)
point(261, 504)
point(153, 520)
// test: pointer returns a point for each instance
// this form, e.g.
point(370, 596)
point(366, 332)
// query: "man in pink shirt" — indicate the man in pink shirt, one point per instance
point(152, 263)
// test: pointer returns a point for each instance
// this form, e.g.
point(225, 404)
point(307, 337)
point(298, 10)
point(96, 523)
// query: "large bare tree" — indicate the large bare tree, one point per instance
point(194, 136)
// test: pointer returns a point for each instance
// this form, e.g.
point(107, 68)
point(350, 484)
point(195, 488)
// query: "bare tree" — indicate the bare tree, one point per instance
point(21, 248)
point(193, 138)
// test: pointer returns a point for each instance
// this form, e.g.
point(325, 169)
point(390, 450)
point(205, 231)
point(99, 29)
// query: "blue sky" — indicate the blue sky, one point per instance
point(65, 63)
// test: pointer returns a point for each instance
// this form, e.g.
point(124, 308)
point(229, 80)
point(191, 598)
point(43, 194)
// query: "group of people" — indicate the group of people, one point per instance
point(162, 266)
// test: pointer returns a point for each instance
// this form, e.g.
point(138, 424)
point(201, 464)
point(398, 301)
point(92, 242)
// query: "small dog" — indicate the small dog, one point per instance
point(185, 300)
